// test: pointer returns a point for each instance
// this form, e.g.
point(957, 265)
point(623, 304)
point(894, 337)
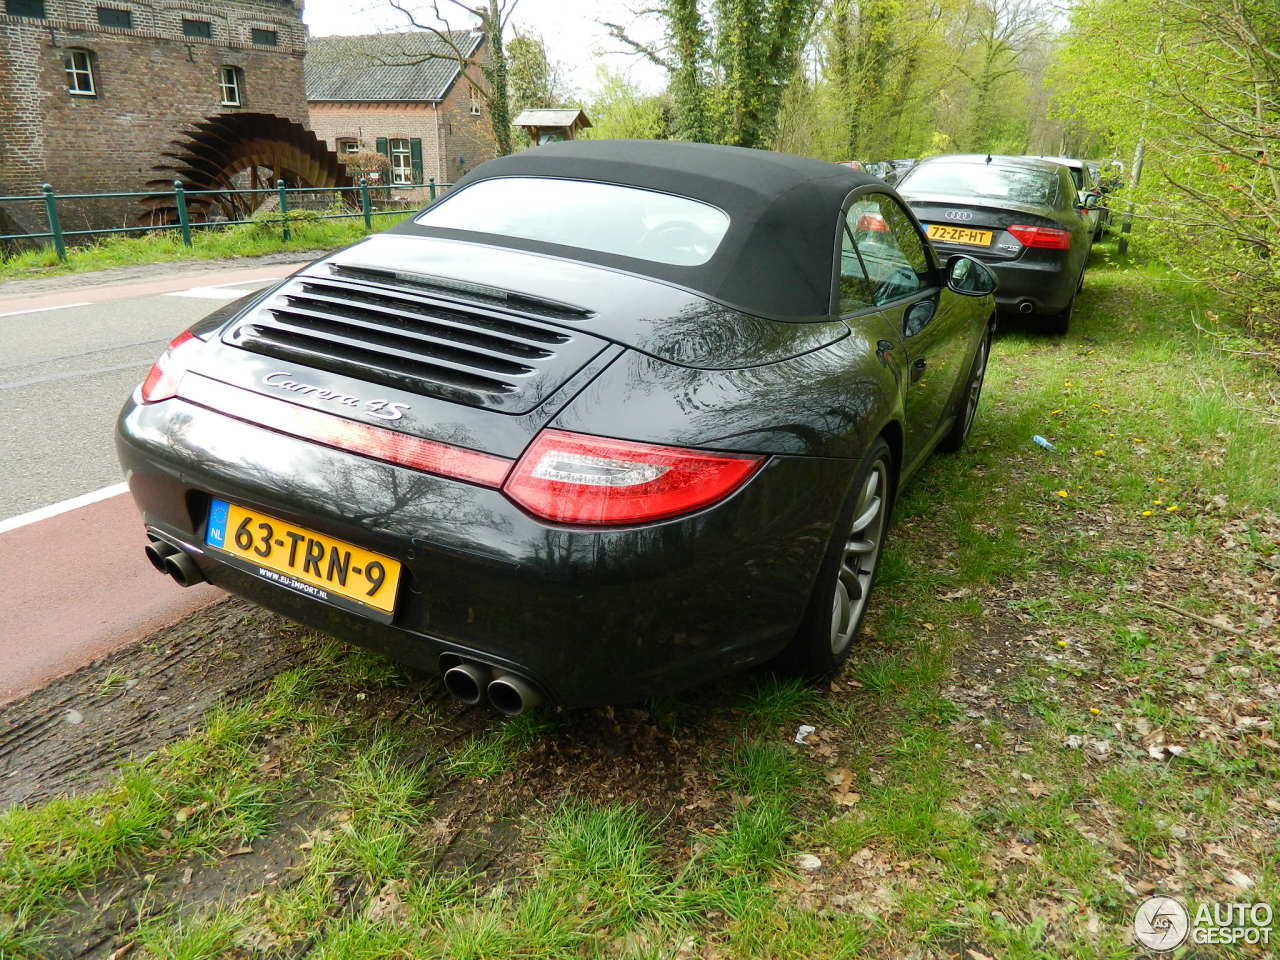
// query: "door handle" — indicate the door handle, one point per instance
point(917, 368)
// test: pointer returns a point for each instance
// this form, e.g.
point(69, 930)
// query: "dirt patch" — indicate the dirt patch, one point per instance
point(73, 734)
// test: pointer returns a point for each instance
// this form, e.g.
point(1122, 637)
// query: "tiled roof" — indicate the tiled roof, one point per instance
point(382, 66)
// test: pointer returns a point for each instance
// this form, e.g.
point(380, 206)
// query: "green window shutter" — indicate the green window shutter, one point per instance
point(382, 148)
point(415, 158)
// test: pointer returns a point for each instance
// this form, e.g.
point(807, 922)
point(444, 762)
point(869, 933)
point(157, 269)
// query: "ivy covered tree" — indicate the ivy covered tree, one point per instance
point(728, 63)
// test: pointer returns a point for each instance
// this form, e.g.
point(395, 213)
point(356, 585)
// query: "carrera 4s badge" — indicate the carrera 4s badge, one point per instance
point(382, 409)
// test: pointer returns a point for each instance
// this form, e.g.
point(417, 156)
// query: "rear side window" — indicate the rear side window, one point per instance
point(1018, 184)
point(889, 247)
point(604, 217)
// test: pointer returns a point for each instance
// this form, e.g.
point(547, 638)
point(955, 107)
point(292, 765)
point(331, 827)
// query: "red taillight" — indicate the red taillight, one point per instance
point(166, 373)
point(873, 222)
point(575, 478)
point(1047, 238)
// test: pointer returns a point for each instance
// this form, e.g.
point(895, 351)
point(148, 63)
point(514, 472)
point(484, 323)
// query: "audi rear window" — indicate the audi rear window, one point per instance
point(1018, 184)
point(604, 217)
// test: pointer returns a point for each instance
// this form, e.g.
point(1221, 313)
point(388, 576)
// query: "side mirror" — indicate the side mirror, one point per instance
point(1091, 201)
point(970, 277)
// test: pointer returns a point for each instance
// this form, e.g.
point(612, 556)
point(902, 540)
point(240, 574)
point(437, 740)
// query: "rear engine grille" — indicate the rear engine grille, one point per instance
point(410, 340)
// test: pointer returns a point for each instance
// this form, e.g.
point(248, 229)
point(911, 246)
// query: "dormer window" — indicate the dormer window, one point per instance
point(231, 86)
point(79, 67)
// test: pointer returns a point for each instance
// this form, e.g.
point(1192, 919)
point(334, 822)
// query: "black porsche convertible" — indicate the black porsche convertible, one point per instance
point(608, 419)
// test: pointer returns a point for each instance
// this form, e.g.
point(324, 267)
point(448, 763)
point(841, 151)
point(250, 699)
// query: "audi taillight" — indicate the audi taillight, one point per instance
point(166, 373)
point(1046, 238)
point(580, 479)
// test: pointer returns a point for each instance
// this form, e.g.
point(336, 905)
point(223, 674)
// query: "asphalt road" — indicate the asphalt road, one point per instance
point(64, 373)
point(74, 584)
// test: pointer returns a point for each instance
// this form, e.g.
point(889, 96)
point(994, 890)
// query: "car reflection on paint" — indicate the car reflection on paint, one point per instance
point(609, 419)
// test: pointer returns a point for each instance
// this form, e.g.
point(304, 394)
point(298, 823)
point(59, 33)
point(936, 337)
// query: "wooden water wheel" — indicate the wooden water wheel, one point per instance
point(239, 151)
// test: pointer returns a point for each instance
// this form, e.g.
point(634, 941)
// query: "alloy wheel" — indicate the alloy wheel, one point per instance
point(860, 554)
point(975, 385)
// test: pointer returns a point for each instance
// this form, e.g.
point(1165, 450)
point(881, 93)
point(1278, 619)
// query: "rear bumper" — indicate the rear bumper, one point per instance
point(1048, 285)
point(589, 615)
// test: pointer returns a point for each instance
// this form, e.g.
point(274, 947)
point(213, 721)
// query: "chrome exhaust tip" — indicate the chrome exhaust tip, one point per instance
point(183, 569)
point(1025, 306)
point(157, 551)
point(512, 695)
point(466, 682)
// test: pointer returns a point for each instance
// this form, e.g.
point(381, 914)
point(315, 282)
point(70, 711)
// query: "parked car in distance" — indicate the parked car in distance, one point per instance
point(856, 165)
point(1086, 183)
point(1018, 215)
point(608, 419)
point(898, 169)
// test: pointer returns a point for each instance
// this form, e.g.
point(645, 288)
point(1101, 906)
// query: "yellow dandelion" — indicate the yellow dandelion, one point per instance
point(1138, 440)
point(1161, 480)
point(1158, 503)
point(1110, 434)
point(1105, 410)
point(1147, 513)
point(1095, 711)
point(1173, 509)
point(1098, 453)
point(1063, 494)
point(1063, 644)
point(1054, 412)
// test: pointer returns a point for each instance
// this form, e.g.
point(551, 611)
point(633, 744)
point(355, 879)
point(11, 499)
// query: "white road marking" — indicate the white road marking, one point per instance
point(207, 293)
point(75, 503)
point(217, 291)
point(61, 306)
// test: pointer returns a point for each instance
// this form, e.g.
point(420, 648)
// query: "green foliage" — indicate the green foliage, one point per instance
point(622, 111)
point(904, 78)
point(1192, 89)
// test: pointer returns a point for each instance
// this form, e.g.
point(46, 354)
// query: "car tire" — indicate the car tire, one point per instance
point(967, 406)
point(1057, 324)
point(834, 615)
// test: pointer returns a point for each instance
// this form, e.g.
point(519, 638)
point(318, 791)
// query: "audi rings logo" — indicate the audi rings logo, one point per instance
point(1161, 924)
point(963, 216)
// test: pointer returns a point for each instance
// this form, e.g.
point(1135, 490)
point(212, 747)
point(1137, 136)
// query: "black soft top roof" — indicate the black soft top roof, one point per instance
point(776, 258)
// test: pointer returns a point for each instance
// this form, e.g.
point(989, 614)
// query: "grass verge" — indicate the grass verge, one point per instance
point(1065, 700)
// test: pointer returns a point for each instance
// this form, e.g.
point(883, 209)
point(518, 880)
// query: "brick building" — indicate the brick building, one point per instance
point(400, 95)
point(94, 92)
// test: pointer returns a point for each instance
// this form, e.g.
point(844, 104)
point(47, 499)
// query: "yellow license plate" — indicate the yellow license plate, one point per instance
point(975, 238)
point(307, 561)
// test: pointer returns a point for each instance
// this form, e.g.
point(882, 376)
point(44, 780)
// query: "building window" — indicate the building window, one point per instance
point(401, 162)
point(197, 28)
point(266, 38)
point(79, 65)
point(111, 17)
point(475, 102)
point(348, 145)
point(25, 8)
point(231, 86)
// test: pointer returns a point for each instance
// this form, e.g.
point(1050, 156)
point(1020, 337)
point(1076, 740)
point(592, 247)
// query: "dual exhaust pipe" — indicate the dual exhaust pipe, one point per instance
point(1025, 306)
point(469, 682)
point(176, 563)
point(507, 692)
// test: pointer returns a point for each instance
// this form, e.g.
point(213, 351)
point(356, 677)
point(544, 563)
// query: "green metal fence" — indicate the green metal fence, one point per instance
point(360, 198)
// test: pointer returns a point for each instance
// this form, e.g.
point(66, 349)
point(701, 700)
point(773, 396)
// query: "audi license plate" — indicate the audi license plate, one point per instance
point(949, 234)
point(310, 563)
